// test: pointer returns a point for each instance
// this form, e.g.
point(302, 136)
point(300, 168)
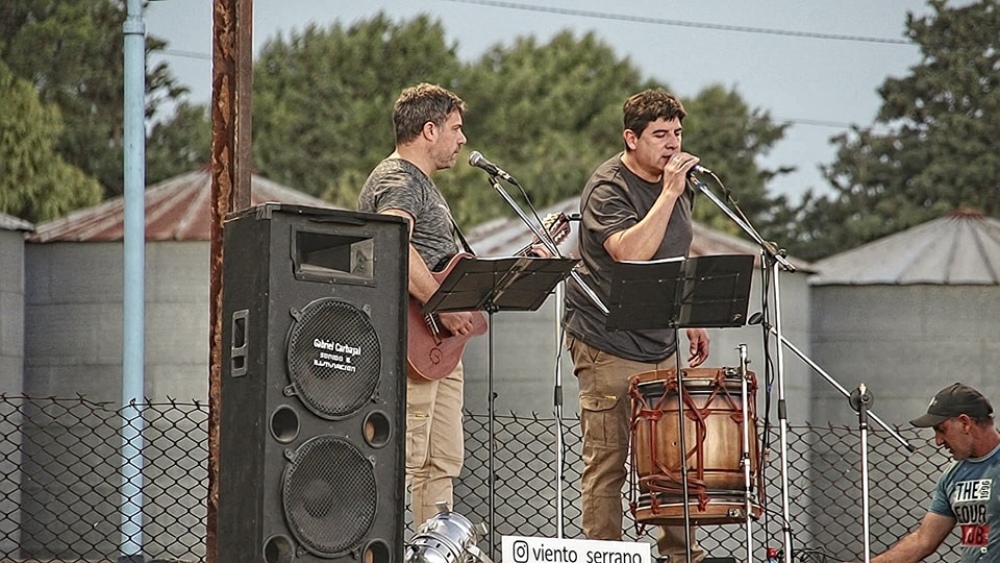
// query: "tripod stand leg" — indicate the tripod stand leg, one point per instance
point(491, 402)
point(557, 403)
point(683, 448)
point(748, 421)
point(861, 401)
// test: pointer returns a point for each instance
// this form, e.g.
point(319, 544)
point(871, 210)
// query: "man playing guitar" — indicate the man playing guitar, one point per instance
point(428, 124)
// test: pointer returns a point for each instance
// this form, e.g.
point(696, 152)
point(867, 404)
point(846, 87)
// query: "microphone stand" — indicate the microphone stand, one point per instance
point(772, 257)
point(546, 239)
point(557, 403)
point(861, 401)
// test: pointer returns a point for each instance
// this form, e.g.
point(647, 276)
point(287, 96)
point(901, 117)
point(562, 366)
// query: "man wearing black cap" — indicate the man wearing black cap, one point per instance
point(968, 492)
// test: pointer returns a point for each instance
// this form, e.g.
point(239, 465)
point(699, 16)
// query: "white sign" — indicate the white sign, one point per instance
point(518, 549)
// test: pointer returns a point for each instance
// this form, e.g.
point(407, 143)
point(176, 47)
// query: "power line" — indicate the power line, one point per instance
point(655, 21)
point(628, 18)
point(822, 123)
point(184, 54)
point(680, 23)
point(777, 120)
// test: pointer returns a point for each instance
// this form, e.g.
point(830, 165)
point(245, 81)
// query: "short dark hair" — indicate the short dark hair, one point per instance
point(420, 104)
point(649, 105)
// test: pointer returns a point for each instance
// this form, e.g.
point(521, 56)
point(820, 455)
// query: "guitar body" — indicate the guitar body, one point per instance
point(432, 351)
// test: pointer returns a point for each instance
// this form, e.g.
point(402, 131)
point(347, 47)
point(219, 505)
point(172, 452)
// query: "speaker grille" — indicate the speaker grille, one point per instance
point(329, 496)
point(334, 358)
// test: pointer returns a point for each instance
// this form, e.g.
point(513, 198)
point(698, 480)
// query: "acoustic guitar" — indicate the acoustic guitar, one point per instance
point(433, 351)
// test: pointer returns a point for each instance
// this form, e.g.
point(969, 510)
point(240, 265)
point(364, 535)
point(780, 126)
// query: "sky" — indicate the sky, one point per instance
point(816, 64)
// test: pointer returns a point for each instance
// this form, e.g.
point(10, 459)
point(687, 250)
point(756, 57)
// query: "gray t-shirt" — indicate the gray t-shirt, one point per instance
point(613, 200)
point(398, 184)
point(969, 492)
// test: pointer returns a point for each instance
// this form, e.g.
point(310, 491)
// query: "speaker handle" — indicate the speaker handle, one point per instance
point(239, 343)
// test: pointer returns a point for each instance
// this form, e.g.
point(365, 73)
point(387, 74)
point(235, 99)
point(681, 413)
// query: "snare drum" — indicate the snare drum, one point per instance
point(713, 438)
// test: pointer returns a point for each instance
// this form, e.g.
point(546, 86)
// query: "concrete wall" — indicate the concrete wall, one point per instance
point(73, 345)
point(904, 343)
point(11, 310)
point(73, 342)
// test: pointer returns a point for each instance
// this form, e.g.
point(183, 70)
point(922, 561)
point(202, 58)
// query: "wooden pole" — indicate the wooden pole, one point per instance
point(232, 86)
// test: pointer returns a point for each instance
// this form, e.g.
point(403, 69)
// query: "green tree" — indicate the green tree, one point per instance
point(36, 184)
point(71, 52)
point(181, 144)
point(934, 146)
point(323, 98)
point(551, 113)
point(729, 136)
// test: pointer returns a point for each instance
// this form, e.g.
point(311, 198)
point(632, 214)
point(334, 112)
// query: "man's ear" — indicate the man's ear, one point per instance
point(965, 420)
point(429, 131)
point(631, 139)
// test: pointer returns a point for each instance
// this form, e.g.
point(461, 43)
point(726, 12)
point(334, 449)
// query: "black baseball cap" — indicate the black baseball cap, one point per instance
point(952, 401)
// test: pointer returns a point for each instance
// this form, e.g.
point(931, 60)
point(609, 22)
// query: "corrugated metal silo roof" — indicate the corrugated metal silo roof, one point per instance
point(962, 248)
point(176, 209)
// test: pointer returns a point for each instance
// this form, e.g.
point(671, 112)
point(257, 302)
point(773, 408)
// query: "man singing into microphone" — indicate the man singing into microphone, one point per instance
point(428, 123)
point(636, 206)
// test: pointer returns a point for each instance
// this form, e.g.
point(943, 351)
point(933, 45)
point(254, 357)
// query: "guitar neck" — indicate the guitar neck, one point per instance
point(523, 251)
point(551, 227)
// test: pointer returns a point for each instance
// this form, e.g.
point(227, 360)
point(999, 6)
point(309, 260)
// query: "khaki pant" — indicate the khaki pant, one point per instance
point(605, 412)
point(435, 442)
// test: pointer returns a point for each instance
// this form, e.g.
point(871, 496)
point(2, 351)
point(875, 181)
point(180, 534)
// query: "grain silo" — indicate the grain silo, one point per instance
point(906, 315)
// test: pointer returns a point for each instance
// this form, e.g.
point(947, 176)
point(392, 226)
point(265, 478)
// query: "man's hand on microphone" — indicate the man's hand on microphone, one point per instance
point(675, 173)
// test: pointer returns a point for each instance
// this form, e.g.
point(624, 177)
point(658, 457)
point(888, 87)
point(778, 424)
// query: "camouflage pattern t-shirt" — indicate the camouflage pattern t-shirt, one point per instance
point(398, 184)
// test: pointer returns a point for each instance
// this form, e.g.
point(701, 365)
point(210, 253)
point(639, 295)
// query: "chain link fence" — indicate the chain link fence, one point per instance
point(60, 482)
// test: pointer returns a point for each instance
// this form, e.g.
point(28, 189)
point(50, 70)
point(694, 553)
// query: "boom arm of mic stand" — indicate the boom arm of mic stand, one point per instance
point(839, 387)
point(768, 247)
point(546, 239)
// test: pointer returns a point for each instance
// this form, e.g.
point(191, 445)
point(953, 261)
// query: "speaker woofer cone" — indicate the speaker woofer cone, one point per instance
point(334, 358)
point(329, 495)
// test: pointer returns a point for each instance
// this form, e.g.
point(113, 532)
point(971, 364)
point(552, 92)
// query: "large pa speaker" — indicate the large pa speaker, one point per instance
point(311, 462)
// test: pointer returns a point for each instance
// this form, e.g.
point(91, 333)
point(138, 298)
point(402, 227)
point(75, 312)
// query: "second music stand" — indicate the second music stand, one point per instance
point(702, 292)
point(491, 285)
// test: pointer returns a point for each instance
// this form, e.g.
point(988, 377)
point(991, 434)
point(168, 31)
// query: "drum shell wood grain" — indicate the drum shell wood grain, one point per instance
point(713, 435)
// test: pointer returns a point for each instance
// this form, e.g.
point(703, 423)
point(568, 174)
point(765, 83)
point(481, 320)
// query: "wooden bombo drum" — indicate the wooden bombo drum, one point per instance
point(714, 421)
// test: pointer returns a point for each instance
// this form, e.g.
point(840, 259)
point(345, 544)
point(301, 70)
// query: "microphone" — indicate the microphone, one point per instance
point(479, 161)
point(697, 168)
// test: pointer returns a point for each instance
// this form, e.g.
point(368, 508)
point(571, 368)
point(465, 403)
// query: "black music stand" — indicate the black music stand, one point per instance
point(491, 285)
point(499, 284)
point(703, 292)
